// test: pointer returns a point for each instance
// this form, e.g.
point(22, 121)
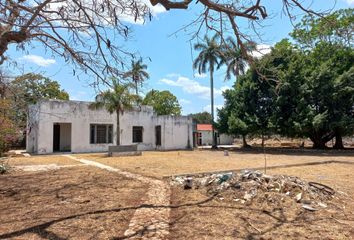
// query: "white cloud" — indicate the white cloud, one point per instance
point(350, 2)
point(193, 87)
point(173, 75)
point(207, 108)
point(155, 10)
point(184, 101)
point(124, 13)
point(261, 50)
point(39, 60)
point(200, 75)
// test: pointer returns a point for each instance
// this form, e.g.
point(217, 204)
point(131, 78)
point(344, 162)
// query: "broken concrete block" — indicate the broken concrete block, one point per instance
point(188, 183)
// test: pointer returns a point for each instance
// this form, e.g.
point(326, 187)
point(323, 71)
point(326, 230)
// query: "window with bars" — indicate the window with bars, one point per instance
point(137, 134)
point(101, 133)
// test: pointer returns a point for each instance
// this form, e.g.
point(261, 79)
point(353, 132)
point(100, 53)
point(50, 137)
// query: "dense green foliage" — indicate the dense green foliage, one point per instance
point(163, 102)
point(29, 89)
point(201, 118)
point(15, 96)
point(248, 107)
point(301, 89)
point(336, 28)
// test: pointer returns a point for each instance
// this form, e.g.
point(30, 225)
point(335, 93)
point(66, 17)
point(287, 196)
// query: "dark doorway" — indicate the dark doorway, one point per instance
point(158, 135)
point(200, 143)
point(56, 138)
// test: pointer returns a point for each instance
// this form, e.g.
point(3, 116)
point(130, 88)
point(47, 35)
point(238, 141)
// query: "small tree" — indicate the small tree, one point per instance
point(8, 134)
point(163, 102)
point(116, 100)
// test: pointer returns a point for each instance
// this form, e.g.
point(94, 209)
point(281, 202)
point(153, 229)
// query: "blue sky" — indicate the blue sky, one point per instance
point(171, 56)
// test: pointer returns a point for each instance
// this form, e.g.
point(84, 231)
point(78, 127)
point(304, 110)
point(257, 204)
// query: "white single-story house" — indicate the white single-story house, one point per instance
point(71, 126)
point(204, 136)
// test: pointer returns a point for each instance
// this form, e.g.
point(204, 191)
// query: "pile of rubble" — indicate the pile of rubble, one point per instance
point(249, 186)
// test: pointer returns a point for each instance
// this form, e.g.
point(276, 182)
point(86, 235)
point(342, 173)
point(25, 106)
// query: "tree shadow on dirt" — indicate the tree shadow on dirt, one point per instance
point(291, 151)
point(41, 229)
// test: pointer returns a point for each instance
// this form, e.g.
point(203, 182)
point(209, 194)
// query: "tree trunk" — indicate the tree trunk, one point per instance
point(339, 140)
point(262, 140)
point(136, 87)
point(118, 128)
point(318, 143)
point(244, 142)
point(214, 146)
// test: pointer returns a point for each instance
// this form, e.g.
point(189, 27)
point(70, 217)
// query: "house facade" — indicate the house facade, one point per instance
point(204, 136)
point(71, 126)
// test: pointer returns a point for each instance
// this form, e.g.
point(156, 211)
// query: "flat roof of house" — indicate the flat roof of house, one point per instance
point(204, 127)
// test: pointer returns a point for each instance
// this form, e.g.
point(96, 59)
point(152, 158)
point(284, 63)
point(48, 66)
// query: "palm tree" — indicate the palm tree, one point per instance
point(116, 100)
point(234, 58)
point(137, 73)
point(209, 57)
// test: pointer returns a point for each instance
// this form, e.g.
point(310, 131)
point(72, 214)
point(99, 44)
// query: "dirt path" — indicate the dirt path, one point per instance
point(151, 221)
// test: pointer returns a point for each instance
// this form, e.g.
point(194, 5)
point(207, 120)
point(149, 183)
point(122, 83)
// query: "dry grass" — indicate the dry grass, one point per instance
point(41, 160)
point(70, 203)
point(159, 164)
point(197, 217)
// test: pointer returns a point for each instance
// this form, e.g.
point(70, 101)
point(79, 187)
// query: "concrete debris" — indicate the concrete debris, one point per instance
point(188, 183)
point(250, 185)
point(309, 207)
point(298, 197)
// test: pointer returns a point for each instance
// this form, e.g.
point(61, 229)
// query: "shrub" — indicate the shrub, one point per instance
point(4, 167)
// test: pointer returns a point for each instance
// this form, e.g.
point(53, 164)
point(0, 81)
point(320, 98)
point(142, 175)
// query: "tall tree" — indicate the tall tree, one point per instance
point(116, 100)
point(29, 89)
point(313, 92)
point(208, 59)
point(248, 107)
point(163, 102)
point(234, 59)
point(314, 82)
point(137, 73)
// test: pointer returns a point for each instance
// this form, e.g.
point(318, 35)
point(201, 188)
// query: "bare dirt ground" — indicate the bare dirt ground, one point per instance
point(69, 203)
point(159, 164)
point(41, 160)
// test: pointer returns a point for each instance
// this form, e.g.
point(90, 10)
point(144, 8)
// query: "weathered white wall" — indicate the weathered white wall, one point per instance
point(141, 118)
point(79, 115)
point(65, 136)
point(223, 139)
point(175, 130)
point(207, 137)
point(32, 129)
